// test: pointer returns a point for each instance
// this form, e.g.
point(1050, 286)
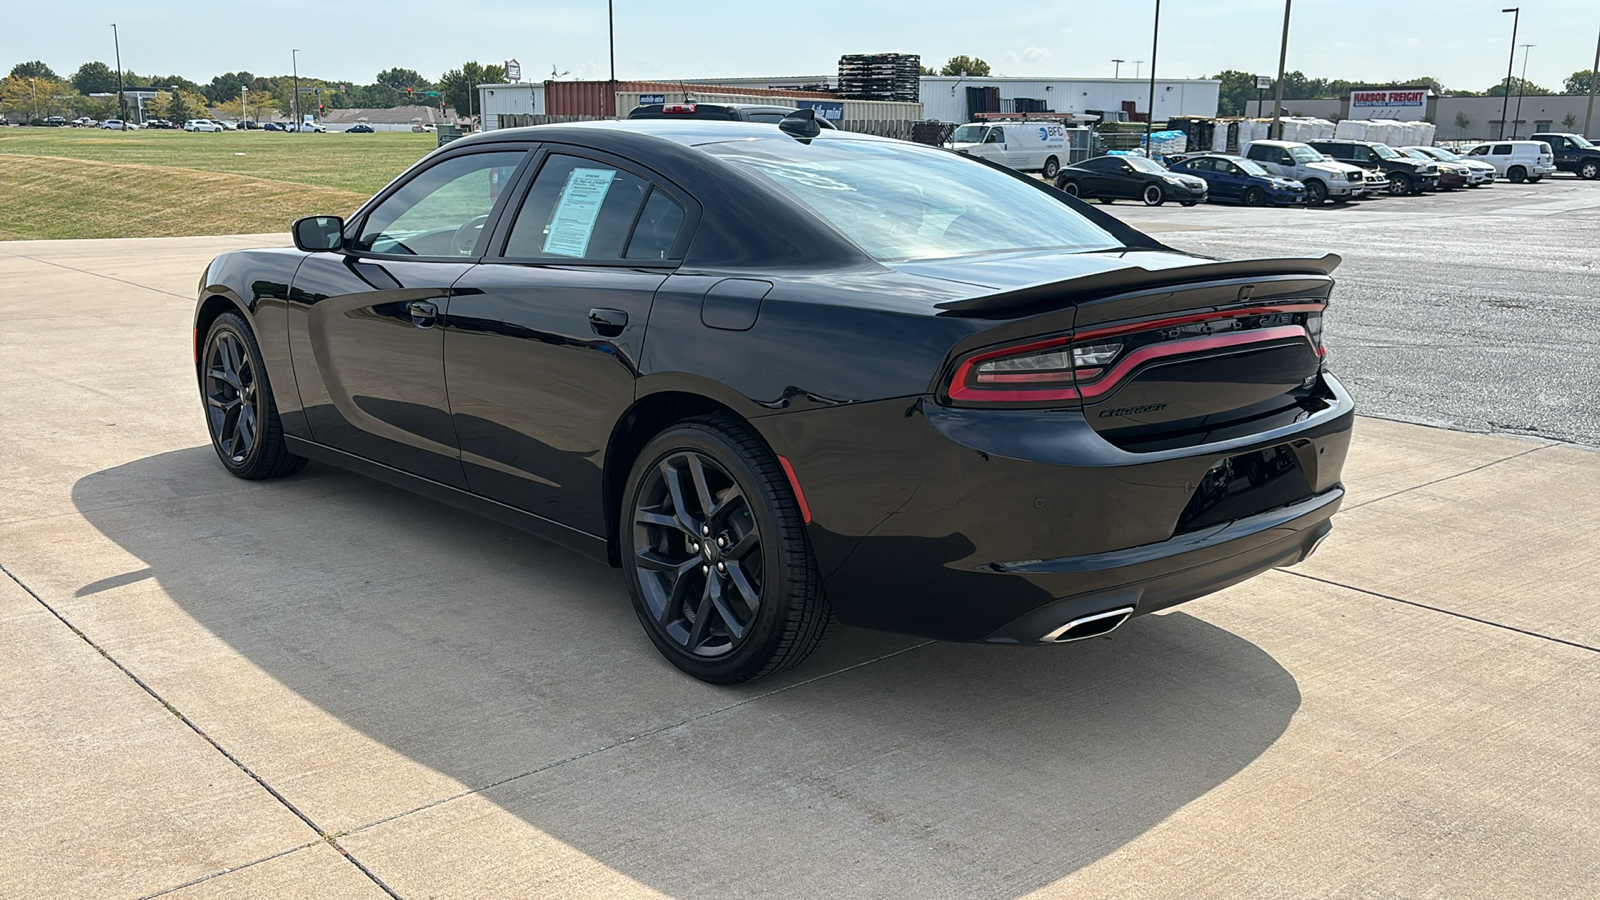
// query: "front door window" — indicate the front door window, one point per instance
point(440, 212)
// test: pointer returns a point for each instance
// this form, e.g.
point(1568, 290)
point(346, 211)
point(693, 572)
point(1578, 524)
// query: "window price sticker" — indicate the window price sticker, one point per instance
point(572, 223)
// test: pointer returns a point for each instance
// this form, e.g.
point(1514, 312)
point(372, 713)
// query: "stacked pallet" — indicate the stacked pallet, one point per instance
point(881, 76)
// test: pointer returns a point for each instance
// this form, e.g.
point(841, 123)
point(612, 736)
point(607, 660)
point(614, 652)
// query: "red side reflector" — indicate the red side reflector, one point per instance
point(805, 508)
point(197, 346)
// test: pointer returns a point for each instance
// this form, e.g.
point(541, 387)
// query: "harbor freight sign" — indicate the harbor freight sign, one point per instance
point(1410, 104)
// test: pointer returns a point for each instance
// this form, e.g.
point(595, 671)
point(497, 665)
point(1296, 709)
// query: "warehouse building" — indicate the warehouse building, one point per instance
point(1466, 118)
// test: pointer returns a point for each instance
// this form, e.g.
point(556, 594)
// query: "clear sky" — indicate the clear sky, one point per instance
point(1464, 43)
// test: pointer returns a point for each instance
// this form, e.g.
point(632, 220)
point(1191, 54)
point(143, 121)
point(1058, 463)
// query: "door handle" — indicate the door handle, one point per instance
point(608, 322)
point(424, 314)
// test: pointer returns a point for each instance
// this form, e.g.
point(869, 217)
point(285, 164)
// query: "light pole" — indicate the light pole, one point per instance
point(1150, 118)
point(244, 106)
point(1505, 105)
point(1136, 64)
point(122, 98)
point(1522, 84)
point(611, 39)
point(1276, 131)
point(1594, 81)
point(1117, 72)
point(294, 104)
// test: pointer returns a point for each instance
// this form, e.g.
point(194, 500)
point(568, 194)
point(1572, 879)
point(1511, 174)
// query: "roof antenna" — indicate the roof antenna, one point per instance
point(801, 125)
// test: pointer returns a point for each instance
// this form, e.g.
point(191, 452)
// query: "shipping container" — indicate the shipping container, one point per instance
point(832, 108)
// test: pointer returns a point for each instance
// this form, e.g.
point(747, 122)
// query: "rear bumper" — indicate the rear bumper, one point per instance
point(978, 524)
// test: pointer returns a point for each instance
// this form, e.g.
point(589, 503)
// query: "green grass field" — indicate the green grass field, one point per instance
point(83, 183)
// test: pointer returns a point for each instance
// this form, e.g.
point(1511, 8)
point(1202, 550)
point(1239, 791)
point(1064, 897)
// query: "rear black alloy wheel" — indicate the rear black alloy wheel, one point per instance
point(240, 414)
point(715, 549)
point(1153, 195)
point(1255, 197)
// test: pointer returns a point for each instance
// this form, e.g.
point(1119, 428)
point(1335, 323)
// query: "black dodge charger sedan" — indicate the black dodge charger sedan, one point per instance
point(1108, 178)
point(779, 374)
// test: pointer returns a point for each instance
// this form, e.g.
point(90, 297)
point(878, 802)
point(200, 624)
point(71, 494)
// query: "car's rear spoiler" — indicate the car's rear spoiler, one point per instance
point(1132, 278)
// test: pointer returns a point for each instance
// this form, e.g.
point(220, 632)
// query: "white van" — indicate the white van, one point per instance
point(1024, 146)
point(1517, 161)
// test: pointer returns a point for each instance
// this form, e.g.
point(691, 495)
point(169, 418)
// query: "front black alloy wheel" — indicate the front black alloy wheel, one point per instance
point(1400, 185)
point(1316, 193)
point(240, 413)
point(1153, 195)
point(716, 554)
point(1255, 197)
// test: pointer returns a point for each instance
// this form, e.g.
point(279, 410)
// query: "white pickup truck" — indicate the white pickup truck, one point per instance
point(1324, 179)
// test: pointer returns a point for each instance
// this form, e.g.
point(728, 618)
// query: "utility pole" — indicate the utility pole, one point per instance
point(294, 104)
point(1520, 87)
point(122, 98)
point(1150, 118)
point(1594, 81)
point(1276, 131)
point(1505, 104)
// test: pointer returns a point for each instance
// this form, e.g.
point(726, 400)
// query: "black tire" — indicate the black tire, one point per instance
point(1516, 174)
point(1070, 187)
point(241, 416)
point(1534, 179)
point(1187, 202)
point(1589, 169)
point(1051, 167)
point(1316, 193)
point(1255, 197)
point(1400, 185)
point(1153, 195)
point(714, 476)
point(1107, 200)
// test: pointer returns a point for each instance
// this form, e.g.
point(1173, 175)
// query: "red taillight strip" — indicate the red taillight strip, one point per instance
point(794, 482)
point(959, 390)
point(1198, 317)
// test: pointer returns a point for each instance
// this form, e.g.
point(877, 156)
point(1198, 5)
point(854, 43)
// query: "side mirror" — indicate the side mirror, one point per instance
point(318, 234)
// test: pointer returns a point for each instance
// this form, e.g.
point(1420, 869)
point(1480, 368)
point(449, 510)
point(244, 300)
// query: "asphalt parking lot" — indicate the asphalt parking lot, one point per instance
point(325, 687)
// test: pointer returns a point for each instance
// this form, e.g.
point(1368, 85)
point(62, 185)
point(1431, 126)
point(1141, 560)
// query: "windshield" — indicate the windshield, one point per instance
point(899, 201)
point(1581, 141)
point(1249, 167)
point(1441, 153)
point(1385, 151)
point(1304, 154)
point(1144, 164)
point(969, 134)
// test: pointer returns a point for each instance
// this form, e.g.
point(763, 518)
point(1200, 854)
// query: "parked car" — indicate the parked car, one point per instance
point(1024, 146)
point(201, 125)
point(115, 124)
point(1323, 178)
point(309, 127)
point(225, 126)
point(1517, 161)
point(160, 124)
point(359, 129)
point(1112, 178)
point(776, 374)
point(55, 122)
point(1478, 173)
point(1234, 179)
point(1406, 175)
point(272, 126)
point(1573, 153)
point(1451, 175)
point(84, 122)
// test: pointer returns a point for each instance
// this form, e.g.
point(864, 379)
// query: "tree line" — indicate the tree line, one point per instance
point(33, 90)
point(1239, 88)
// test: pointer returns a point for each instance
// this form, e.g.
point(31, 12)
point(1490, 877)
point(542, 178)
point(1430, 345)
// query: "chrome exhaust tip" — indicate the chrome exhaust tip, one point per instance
point(1089, 626)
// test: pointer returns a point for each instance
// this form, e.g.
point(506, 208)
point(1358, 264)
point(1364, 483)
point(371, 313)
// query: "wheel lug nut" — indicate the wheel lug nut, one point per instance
point(705, 530)
point(694, 547)
point(722, 567)
point(705, 570)
point(722, 542)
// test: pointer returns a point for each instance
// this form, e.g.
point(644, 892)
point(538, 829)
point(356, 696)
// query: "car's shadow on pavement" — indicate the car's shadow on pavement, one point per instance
point(484, 654)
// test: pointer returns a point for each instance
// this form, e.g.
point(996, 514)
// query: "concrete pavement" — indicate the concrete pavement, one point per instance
point(321, 686)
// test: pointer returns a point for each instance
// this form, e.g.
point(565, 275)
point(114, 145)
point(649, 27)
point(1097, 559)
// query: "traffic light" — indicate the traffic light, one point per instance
point(408, 93)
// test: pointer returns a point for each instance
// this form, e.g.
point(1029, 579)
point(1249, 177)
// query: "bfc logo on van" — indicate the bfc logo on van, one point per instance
point(1044, 134)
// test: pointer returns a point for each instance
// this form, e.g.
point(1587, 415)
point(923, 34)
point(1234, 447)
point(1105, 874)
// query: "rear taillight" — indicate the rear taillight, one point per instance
point(1072, 368)
point(682, 109)
point(1042, 371)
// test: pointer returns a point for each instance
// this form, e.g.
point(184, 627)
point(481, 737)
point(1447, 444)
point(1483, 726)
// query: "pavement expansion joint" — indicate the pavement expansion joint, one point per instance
point(230, 870)
point(321, 833)
point(1449, 612)
point(630, 739)
point(49, 262)
point(1443, 478)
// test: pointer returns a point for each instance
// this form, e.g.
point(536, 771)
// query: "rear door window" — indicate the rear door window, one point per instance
point(577, 209)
